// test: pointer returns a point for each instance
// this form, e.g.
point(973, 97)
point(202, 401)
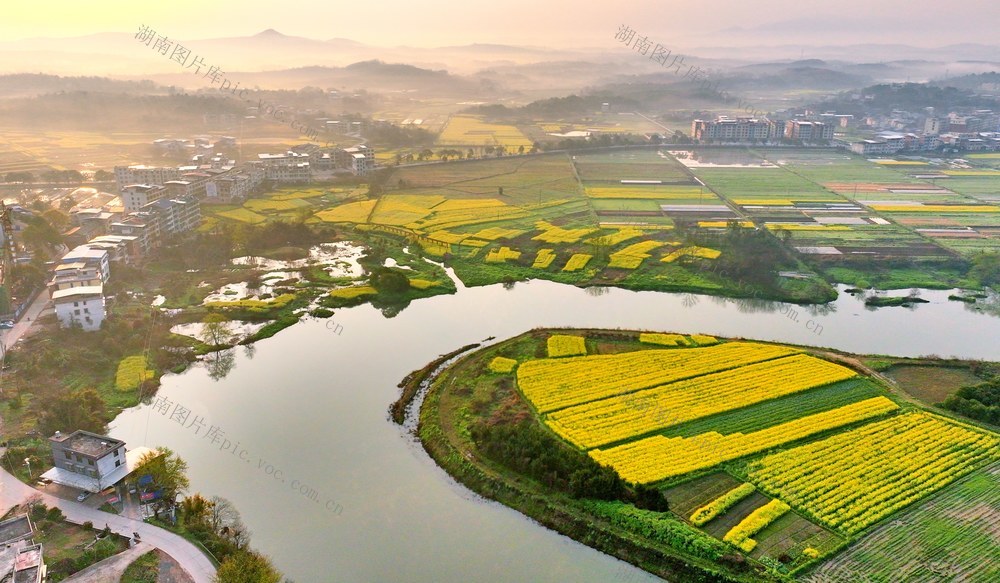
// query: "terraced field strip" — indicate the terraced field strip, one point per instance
point(622, 417)
point(854, 479)
point(554, 384)
point(657, 458)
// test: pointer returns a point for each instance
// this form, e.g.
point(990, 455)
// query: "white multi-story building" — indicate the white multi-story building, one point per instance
point(136, 196)
point(70, 275)
point(362, 159)
point(91, 257)
point(726, 129)
point(80, 306)
point(808, 131)
point(140, 174)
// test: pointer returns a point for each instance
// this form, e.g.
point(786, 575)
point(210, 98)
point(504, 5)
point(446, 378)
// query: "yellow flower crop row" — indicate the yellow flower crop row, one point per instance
point(349, 293)
point(449, 219)
point(468, 203)
point(622, 417)
point(494, 233)
point(447, 237)
point(553, 234)
point(703, 252)
point(971, 172)
point(704, 339)
point(553, 384)
point(577, 262)
point(423, 283)
point(501, 255)
point(352, 212)
point(740, 534)
point(273, 303)
point(544, 258)
point(132, 372)
point(615, 238)
point(632, 256)
point(464, 130)
point(702, 515)
point(502, 365)
point(560, 345)
point(656, 458)
point(663, 339)
point(854, 479)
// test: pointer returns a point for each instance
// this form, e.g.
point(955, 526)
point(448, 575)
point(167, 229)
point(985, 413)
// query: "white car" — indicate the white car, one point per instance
point(83, 496)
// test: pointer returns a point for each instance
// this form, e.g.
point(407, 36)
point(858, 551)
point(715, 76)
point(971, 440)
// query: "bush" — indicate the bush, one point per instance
point(38, 511)
point(54, 514)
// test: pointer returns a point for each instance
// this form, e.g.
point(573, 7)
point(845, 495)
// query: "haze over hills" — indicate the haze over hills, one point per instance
point(270, 52)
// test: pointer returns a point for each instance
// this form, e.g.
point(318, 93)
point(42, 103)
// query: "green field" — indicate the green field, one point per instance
point(947, 538)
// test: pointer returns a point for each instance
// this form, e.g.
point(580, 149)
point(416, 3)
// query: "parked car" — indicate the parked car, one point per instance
point(83, 496)
point(6, 324)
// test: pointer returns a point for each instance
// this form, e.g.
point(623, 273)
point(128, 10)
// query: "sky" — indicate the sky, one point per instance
point(555, 23)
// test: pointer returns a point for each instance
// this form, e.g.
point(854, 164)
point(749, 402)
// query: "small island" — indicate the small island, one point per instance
point(707, 459)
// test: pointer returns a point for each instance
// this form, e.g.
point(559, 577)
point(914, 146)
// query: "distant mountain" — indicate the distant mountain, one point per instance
point(370, 75)
point(984, 82)
point(34, 84)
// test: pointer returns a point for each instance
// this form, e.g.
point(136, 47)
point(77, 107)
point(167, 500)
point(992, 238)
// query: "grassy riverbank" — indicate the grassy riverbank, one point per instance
point(477, 424)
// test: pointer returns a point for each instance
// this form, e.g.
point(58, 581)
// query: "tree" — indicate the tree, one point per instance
point(57, 219)
point(247, 567)
point(103, 176)
point(390, 281)
point(168, 470)
point(986, 268)
point(195, 509)
point(80, 409)
point(216, 331)
point(221, 513)
point(225, 520)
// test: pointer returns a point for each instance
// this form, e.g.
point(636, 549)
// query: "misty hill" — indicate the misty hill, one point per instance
point(373, 75)
point(798, 78)
point(983, 82)
point(908, 96)
point(29, 84)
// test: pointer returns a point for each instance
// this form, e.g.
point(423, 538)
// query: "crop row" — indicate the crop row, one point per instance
point(617, 418)
point(553, 384)
point(740, 534)
point(656, 458)
point(856, 478)
point(719, 505)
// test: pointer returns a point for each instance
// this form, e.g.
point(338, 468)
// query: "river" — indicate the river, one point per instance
point(297, 434)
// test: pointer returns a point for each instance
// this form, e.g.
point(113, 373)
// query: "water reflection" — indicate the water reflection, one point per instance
point(219, 364)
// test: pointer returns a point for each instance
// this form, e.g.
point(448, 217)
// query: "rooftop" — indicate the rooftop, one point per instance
point(87, 443)
point(85, 252)
point(27, 563)
point(78, 292)
point(82, 482)
point(14, 529)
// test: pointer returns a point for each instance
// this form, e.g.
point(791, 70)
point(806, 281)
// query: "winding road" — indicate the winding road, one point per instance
point(191, 559)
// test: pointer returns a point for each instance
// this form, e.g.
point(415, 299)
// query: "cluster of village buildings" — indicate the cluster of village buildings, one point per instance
point(901, 131)
point(159, 202)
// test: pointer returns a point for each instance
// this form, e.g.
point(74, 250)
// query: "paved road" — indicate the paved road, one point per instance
point(13, 491)
point(9, 337)
point(109, 569)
